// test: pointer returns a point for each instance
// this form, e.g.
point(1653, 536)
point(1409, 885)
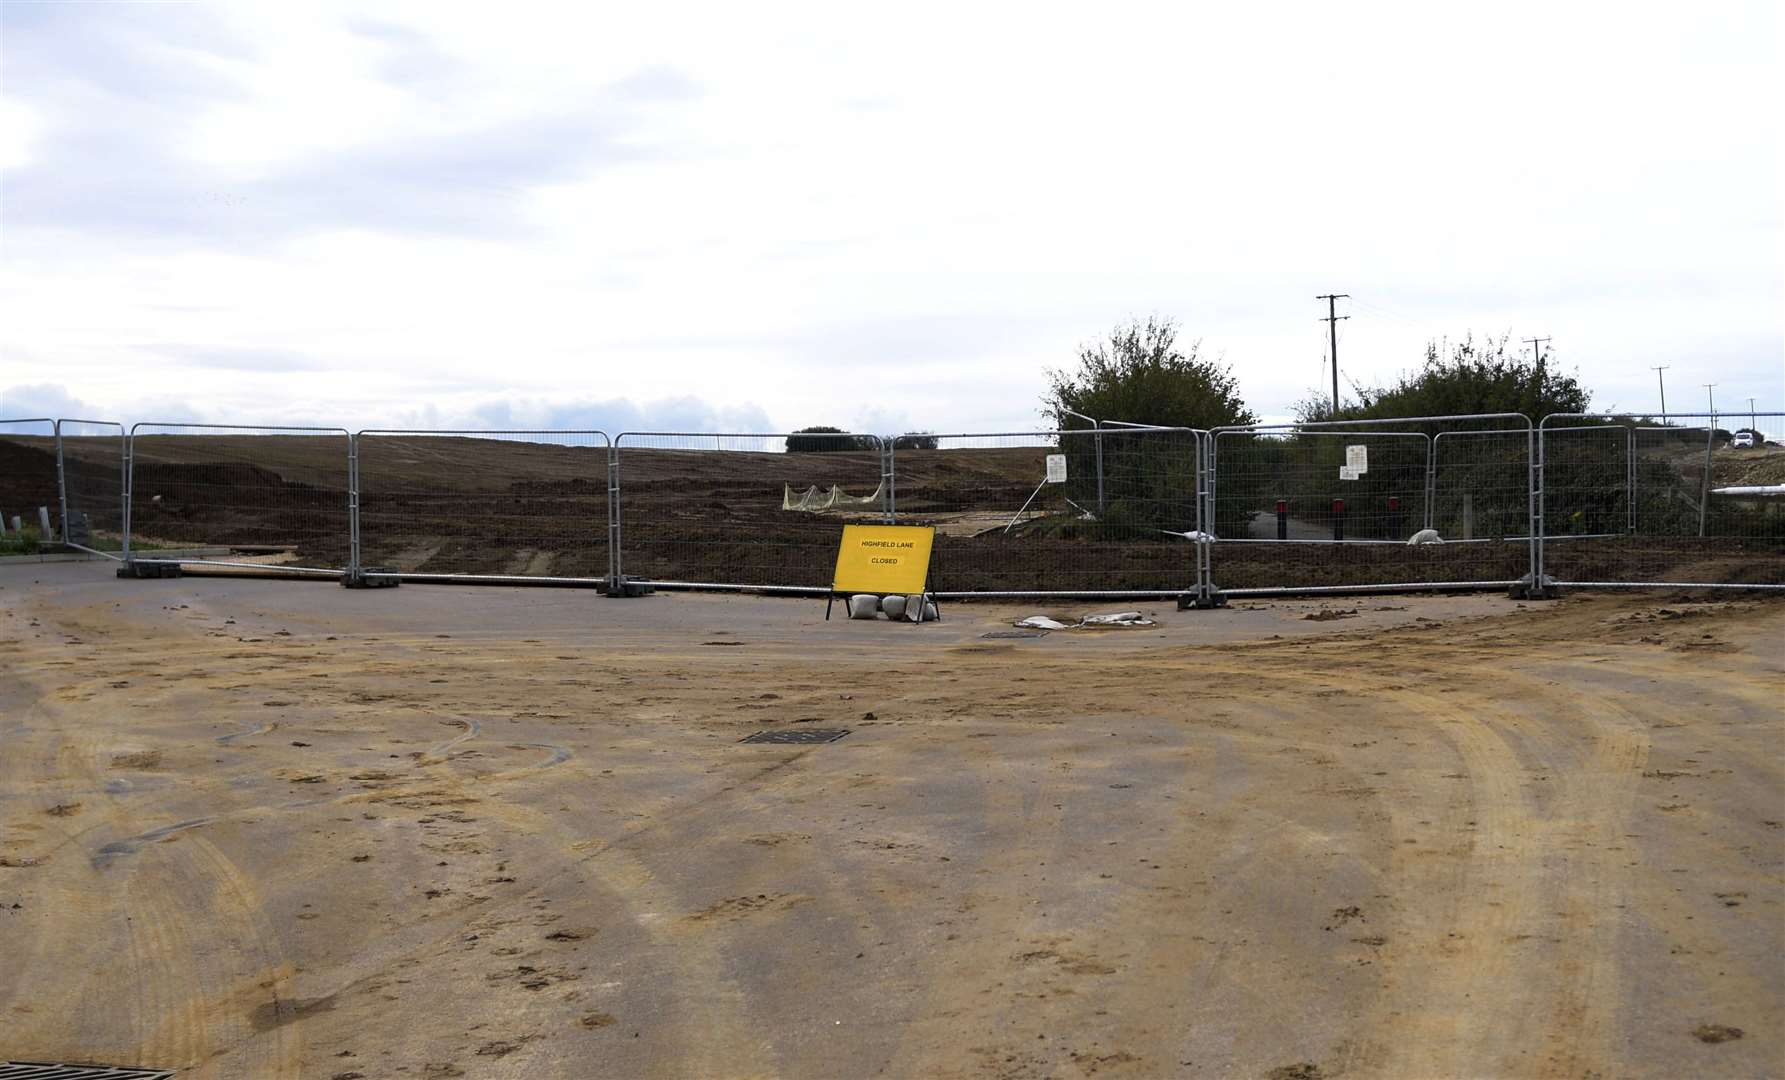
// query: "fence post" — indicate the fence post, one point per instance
point(1097, 437)
point(129, 484)
point(353, 550)
point(615, 575)
point(1704, 491)
point(1431, 479)
point(1282, 519)
point(1338, 519)
point(1534, 513)
point(1630, 475)
point(1210, 459)
point(889, 478)
point(61, 486)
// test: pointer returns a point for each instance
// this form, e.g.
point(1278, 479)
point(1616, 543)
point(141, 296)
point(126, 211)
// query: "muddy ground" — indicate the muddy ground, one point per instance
point(271, 829)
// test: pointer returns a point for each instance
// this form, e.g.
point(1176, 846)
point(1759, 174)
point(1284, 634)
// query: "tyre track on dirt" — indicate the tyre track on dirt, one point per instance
point(181, 919)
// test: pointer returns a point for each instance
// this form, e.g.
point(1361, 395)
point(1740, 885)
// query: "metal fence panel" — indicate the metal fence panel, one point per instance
point(1588, 481)
point(268, 496)
point(742, 511)
point(91, 458)
point(1336, 505)
point(484, 505)
point(28, 481)
point(1480, 481)
point(1701, 508)
point(1119, 514)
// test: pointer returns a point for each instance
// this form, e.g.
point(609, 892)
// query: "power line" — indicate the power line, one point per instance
point(1384, 313)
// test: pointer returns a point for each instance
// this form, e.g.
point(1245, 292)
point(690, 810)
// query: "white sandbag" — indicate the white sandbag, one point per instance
point(864, 606)
point(1116, 618)
point(894, 606)
point(1040, 622)
point(1426, 536)
point(912, 609)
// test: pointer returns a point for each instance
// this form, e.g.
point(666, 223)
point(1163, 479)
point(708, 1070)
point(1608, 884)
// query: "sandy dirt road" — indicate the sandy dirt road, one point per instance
point(269, 829)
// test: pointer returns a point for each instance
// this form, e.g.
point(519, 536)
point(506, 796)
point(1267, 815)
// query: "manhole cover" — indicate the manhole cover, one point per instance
point(44, 1070)
point(805, 735)
point(1015, 633)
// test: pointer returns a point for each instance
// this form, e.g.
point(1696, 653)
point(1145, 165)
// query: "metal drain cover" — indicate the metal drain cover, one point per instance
point(44, 1070)
point(1015, 634)
point(806, 735)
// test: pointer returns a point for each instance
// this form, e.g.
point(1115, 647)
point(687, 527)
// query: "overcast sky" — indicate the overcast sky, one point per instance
point(757, 217)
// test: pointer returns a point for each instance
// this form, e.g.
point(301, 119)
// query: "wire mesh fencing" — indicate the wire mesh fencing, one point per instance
point(1589, 481)
point(30, 491)
point(526, 506)
point(731, 511)
point(1704, 497)
point(1109, 512)
point(250, 496)
point(1109, 509)
point(1350, 505)
point(1480, 484)
point(91, 456)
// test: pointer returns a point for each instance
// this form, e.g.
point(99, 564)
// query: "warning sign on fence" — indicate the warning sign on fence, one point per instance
point(884, 559)
point(1056, 468)
point(1357, 459)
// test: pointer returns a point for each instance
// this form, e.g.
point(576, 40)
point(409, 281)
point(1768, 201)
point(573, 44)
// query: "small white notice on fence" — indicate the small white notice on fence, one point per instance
point(1056, 468)
point(1346, 472)
point(1357, 459)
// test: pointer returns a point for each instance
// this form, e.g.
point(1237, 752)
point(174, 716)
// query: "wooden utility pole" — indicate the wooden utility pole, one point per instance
point(1537, 344)
point(1332, 321)
point(1663, 385)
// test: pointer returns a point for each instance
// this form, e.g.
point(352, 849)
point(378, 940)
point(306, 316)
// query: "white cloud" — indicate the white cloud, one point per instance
point(44, 401)
point(835, 216)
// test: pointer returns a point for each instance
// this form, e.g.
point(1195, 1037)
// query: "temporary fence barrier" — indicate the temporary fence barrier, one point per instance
point(757, 511)
point(1706, 512)
point(1479, 480)
point(90, 463)
point(271, 496)
point(518, 506)
point(1106, 511)
point(1341, 506)
point(1589, 480)
point(1114, 509)
point(28, 483)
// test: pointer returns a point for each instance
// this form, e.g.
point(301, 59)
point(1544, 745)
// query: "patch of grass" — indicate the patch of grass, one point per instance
point(24, 542)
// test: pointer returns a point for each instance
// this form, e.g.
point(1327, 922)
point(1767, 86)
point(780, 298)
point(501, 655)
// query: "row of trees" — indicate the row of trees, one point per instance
point(822, 439)
point(1142, 375)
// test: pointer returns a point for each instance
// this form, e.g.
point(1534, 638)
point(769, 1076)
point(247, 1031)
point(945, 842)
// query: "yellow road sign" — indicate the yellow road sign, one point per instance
point(884, 559)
